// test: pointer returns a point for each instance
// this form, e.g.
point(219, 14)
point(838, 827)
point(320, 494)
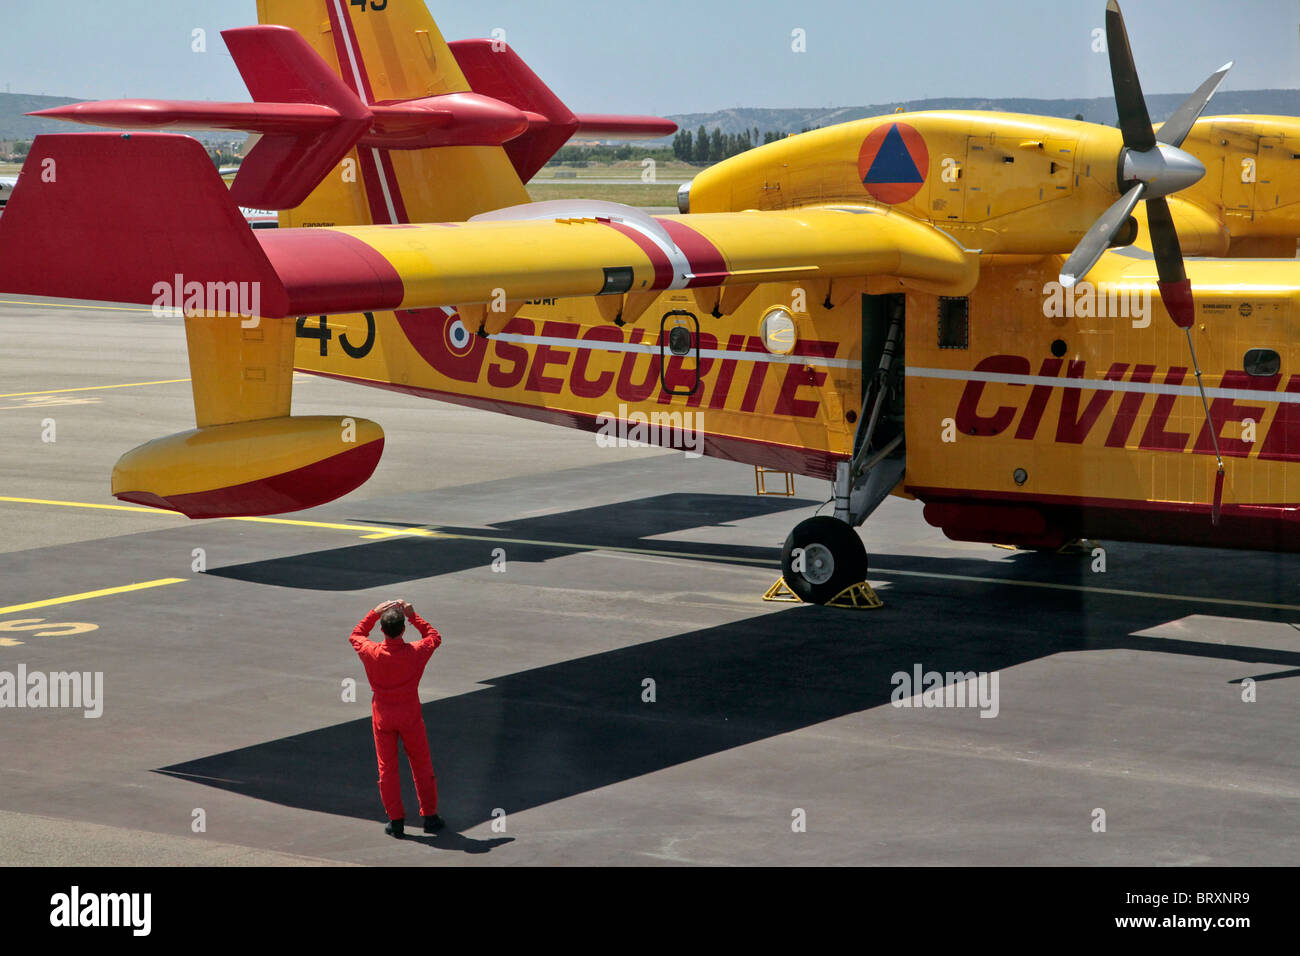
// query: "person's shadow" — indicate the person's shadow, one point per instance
point(449, 839)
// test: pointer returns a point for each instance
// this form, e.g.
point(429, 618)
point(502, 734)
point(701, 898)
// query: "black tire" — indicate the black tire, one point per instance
point(833, 559)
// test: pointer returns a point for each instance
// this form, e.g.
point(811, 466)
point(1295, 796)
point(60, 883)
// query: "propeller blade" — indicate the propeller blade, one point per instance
point(1098, 239)
point(1134, 120)
point(1175, 289)
point(1180, 124)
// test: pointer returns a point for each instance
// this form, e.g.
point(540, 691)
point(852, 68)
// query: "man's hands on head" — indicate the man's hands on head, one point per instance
point(403, 606)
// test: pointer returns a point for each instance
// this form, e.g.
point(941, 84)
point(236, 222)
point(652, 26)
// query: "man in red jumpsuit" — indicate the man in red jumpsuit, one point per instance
point(394, 668)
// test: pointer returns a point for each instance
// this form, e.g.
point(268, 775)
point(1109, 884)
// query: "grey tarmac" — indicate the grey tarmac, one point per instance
point(1119, 691)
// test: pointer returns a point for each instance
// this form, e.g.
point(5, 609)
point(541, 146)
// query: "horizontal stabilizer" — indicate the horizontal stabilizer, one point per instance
point(494, 69)
point(306, 116)
point(278, 65)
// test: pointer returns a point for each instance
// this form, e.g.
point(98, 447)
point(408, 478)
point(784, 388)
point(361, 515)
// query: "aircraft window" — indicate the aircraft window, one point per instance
point(679, 340)
point(1262, 362)
point(954, 323)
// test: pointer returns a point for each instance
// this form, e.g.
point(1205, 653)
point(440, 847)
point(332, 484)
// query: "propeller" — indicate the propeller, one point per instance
point(1151, 169)
point(1148, 169)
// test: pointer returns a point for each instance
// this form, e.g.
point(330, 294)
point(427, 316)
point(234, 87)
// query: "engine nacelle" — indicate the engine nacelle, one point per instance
point(251, 468)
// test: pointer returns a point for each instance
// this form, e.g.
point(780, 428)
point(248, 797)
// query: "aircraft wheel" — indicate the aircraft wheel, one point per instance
point(832, 558)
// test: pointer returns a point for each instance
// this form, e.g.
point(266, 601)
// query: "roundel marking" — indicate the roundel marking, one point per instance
point(458, 339)
point(893, 163)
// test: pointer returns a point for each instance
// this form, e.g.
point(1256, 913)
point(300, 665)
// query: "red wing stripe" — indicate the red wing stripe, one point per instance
point(663, 268)
point(707, 263)
point(331, 273)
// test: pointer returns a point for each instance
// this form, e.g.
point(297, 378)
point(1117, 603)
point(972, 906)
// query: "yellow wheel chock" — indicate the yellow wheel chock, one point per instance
point(859, 596)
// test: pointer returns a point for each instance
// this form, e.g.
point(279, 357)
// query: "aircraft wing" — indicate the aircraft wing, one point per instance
point(75, 245)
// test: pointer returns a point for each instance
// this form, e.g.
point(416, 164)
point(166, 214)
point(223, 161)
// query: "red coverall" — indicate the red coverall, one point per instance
point(394, 669)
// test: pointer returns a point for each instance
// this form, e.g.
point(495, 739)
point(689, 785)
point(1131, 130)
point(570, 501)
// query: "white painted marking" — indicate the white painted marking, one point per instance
point(353, 48)
point(346, 24)
point(383, 181)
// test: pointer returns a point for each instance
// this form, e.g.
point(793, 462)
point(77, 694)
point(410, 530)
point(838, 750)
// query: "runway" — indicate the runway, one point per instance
point(772, 736)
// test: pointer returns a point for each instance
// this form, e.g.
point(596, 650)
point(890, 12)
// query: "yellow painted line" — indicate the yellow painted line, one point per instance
point(378, 532)
point(60, 305)
point(372, 532)
point(87, 595)
point(87, 504)
point(94, 388)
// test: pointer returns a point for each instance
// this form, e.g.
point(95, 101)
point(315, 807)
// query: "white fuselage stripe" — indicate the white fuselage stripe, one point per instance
point(1103, 385)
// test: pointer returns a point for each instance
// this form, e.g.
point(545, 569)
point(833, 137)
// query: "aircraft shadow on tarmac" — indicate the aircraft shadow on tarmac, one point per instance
point(566, 729)
point(625, 524)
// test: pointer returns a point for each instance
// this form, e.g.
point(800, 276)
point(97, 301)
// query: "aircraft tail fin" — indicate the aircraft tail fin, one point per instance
point(390, 53)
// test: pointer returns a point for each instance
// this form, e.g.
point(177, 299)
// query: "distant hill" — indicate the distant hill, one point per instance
point(1099, 110)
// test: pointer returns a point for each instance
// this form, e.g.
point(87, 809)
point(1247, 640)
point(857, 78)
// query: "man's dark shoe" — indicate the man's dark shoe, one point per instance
point(433, 824)
point(397, 828)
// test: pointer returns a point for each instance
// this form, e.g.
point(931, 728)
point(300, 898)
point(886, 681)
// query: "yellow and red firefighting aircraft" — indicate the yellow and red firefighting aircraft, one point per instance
point(990, 313)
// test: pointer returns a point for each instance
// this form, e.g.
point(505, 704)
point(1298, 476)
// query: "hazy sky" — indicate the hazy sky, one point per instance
point(682, 56)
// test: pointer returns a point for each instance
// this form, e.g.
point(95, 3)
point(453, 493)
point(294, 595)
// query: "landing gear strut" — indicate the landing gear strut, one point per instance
point(823, 561)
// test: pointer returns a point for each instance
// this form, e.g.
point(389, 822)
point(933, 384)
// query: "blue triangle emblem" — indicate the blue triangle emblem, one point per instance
point(893, 163)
